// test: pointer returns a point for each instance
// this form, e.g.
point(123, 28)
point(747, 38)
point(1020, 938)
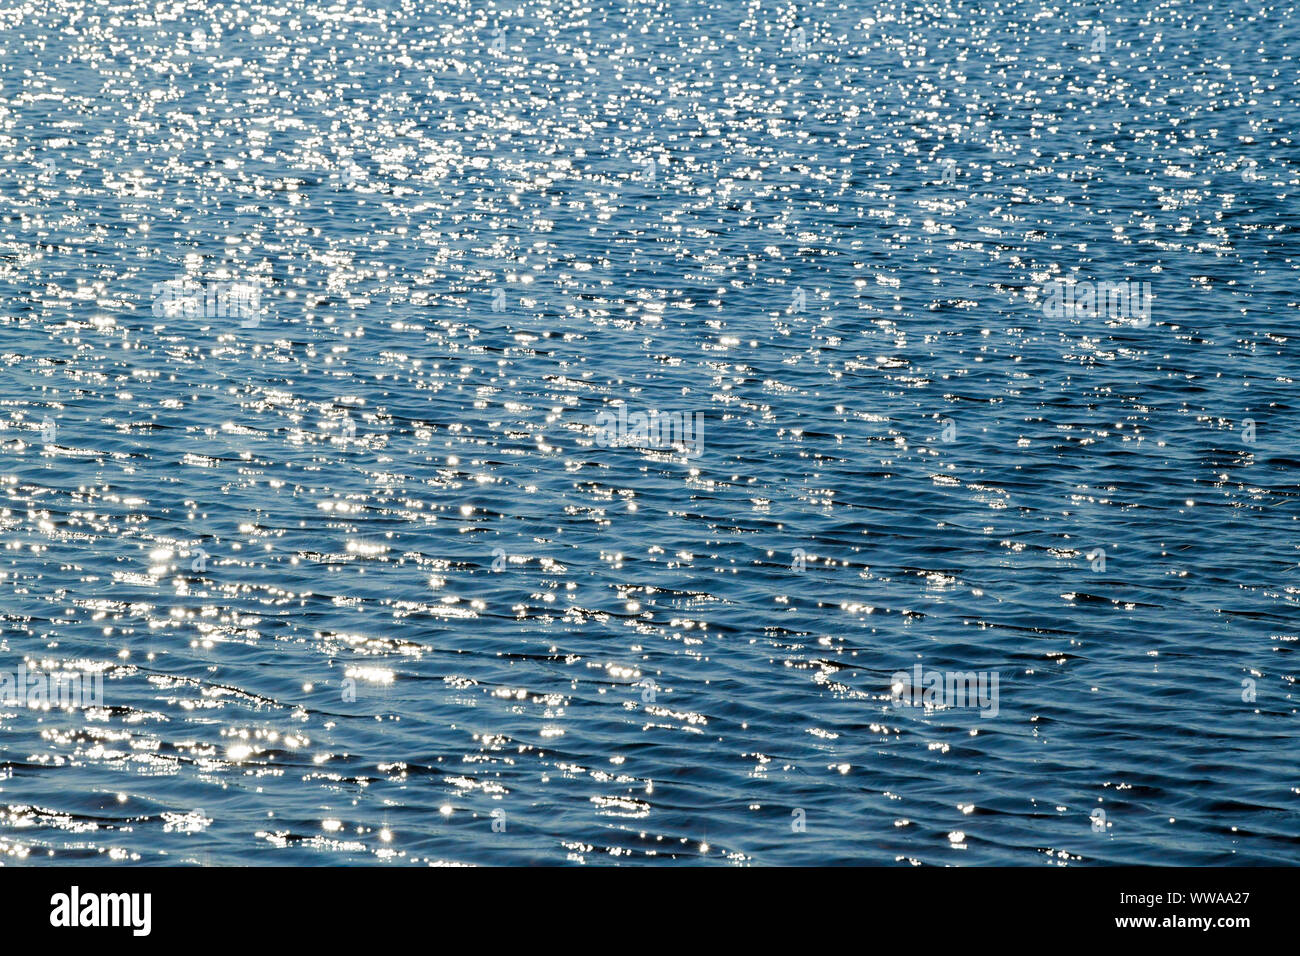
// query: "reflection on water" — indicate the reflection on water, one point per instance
point(548, 434)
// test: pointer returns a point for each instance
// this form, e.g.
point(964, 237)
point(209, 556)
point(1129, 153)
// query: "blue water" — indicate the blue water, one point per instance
point(440, 621)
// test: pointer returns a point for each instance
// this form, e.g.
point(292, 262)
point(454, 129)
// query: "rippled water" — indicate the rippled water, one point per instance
point(364, 582)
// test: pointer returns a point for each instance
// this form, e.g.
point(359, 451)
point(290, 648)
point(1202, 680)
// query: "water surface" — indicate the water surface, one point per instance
point(364, 585)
